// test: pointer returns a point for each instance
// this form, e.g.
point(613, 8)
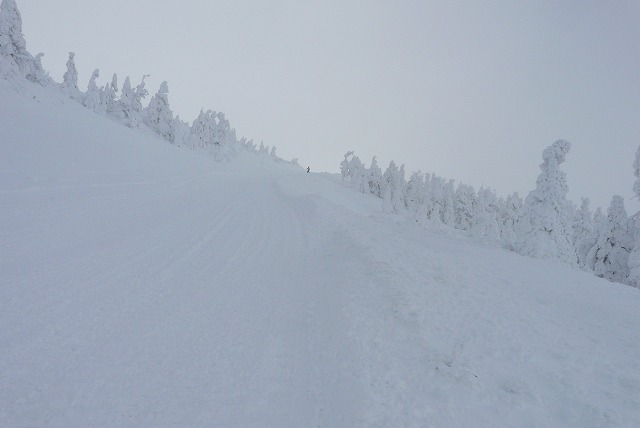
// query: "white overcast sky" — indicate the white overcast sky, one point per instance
point(473, 90)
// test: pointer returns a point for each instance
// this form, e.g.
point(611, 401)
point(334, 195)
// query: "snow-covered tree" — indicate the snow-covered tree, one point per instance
point(180, 132)
point(344, 166)
point(126, 106)
point(12, 42)
point(92, 99)
point(465, 206)
point(634, 256)
point(139, 94)
point(358, 175)
point(69, 83)
point(611, 252)
point(36, 72)
point(584, 237)
point(509, 217)
point(375, 178)
point(448, 212)
point(415, 197)
point(485, 227)
point(393, 187)
point(545, 228)
point(108, 96)
point(158, 115)
point(224, 139)
point(15, 61)
point(202, 130)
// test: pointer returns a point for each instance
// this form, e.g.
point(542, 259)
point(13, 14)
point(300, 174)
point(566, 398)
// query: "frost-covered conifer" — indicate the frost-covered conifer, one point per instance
point(108, 96)
point(180, 132)
point(344, 166)
point(69, 83)
point(415, 192)
point(92, 99)
point(15, 61)
point(545, 230)
point(436, 198)
point(12, 42)
point(509, 221)
point(611, 252)
point(262, 149)
point(634, 256)
point(273, 152)
point(140, 93)
point(465, 206)
point(158, 115)
point(393, 187)
point(136, 114)
point(485, 227)
point(448, 205)
point(584, 237)
point(36, 72)
point(415, 197)
point(375, 178)
point(358, 175)
point(202, 130)
point(126, 109)
point(223, 139)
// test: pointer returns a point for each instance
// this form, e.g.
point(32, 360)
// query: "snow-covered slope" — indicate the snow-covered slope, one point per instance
point(143, 284)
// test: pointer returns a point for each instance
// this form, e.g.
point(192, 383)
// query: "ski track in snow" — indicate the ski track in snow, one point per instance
point(145, 285)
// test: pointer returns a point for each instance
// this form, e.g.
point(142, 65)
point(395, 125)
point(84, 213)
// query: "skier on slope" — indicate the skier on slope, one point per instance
point(308, 169)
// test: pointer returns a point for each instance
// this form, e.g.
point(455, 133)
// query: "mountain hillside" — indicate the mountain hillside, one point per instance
point(144, 284)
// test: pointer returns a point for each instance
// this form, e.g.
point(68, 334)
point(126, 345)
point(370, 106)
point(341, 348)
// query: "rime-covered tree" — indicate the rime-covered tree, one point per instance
point(634, 256)
point(108, 96)
point(12, 43)
point(545, 229)
point(180, 132)
point(584, 237)
point(92, 99)
point(448, 205)
point(223, 147)
point(509, 221)
point(158, 114)
point(69, 83)
point(202, 130)
point(15, 61)
point(139, 94)
point(393, 188)
point(416, 197)
point(611, 252)
point(375, 178)
point(344, 166)
point(485, 227)
point(358, 171)
point(126, 106)
point(415, 193)
point(465, 205)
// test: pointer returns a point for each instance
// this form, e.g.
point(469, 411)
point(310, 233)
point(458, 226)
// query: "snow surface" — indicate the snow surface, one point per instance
point(146, 285)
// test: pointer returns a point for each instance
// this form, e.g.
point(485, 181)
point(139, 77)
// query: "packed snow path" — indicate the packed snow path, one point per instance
point(145, 285)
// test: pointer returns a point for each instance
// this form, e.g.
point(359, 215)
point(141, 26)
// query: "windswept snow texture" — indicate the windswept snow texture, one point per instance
point(145, 285)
